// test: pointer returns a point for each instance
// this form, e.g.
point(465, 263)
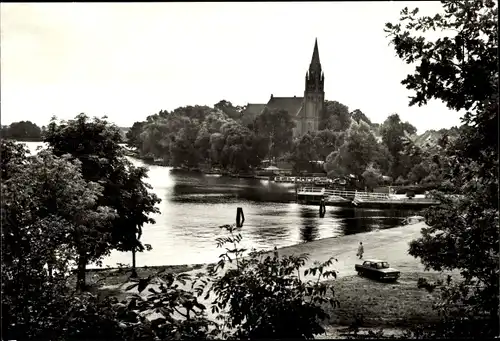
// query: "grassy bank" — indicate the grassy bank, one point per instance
point(371, 303)
point(110, 281)
point(384, 305)
point(379, 305)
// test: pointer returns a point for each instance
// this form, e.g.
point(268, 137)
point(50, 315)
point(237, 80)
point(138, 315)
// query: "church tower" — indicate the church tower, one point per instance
point(314, 94)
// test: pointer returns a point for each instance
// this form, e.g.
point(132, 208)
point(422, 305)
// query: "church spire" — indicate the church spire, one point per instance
point(315, 58)
point(314, 77)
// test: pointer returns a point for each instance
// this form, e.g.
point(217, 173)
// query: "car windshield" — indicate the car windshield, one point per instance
point(383, 265)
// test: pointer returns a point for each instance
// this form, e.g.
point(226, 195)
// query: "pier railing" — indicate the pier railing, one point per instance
point(371, 196)
point(315, 190)
point(340, 193)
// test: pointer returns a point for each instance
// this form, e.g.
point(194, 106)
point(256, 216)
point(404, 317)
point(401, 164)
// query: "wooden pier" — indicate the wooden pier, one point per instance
point(314, 195)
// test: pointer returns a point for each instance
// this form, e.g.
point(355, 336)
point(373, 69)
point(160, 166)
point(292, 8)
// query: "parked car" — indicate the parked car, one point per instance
point(377, 269)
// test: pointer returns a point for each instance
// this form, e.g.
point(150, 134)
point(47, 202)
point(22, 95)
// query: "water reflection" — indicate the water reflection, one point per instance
point(195, 205)
point(309, 227)
point(209, 189)
point(357, 220)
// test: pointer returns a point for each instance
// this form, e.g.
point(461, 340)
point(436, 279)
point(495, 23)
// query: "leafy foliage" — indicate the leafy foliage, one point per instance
point(49, 214)
point(303, 153)
point(463, 234)
point(357, 115)
point(394, 133)
point(355, 154)
point(22, 131)
point(372, 177)
point(264, 296)
point(200, 136)
point(12, 155)
point(276, 126)
point(133, 135)
point(227, 108)
point(173, 311)
point(96, 145)
point(336, 117)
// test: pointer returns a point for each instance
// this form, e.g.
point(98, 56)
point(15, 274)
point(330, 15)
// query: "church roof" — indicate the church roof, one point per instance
point(291, 104)
point(251, 111)
point(255, 108)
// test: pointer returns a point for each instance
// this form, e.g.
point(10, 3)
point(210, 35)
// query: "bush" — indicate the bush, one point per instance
point(265, 296)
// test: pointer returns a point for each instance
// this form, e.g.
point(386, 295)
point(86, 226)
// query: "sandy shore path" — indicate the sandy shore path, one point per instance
point(390, 245)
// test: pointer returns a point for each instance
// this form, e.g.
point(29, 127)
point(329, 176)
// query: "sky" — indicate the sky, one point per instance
point(130, 60)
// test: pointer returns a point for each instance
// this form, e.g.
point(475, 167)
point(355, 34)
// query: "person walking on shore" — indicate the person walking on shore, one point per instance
point(361, 250)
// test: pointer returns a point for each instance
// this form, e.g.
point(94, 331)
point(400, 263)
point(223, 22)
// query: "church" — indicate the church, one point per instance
point(306, 111)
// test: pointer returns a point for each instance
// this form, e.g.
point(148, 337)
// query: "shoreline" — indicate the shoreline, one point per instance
point(376, 244)
point(403, 302)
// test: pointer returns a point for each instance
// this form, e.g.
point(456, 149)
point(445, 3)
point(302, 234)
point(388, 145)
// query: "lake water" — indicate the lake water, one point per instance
point(195, 205)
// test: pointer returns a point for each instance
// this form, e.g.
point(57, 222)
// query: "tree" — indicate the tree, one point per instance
point(56, 188)
point(11, 153)
point(96, 144)
point(196, 114)
point(303, 153)
point(372, 177)
point(134, 210)
point(327, 141)
point(357, 115)
point(202, 144)
point(155, 138)
point(419, 172)
point(461, 69)
point(133, 135)
point(383, 159)
point(49, 214)
point(215, 120)
point(276, 126)
point(394, 134)
point(49, 211)
point(242, 150)
point(183, 148)
point(227, 108)
point(216, 147)
point(23, 131)
point(355, 154)
point(336, 117)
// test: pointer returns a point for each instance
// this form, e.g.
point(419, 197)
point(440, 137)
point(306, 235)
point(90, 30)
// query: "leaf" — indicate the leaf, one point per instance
point(200, 305)
point(130, 287)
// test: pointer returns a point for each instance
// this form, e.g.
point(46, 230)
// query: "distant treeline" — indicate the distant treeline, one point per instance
point(23, 131)
point(29, 132)
point(347, 143)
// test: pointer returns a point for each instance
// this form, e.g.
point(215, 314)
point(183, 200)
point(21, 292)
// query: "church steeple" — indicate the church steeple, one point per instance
point(315, 63)
point(315, 77)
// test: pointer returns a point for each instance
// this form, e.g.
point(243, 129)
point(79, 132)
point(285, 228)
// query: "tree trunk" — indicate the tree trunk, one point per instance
point(6, 321)
point(81, 284)
point(50, 265)
point(50, 270)
point(134, 271)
